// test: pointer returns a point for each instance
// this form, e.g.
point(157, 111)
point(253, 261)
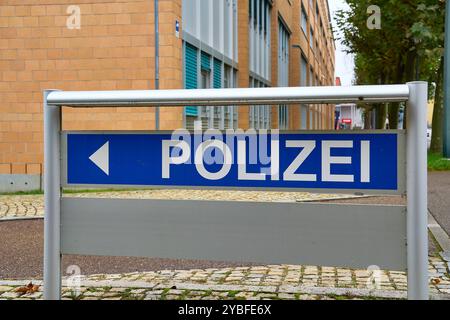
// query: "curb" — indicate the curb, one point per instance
point(20, 218)
point(352, 292)
point(439, 234)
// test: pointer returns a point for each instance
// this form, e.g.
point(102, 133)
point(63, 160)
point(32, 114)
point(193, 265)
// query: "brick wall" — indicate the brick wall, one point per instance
point(112, 50)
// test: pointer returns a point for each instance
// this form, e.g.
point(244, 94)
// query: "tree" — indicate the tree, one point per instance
point(407, 47)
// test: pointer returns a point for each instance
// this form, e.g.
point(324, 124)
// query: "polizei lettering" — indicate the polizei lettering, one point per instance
point(254, 158)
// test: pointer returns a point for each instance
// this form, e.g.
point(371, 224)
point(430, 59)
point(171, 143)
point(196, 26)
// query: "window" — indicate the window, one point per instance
point(283, 55)
point(311, 38)
point(304, 21)
point(283, 72)
point(311, 77)
point(260, 116)
point(317, 10)
point(231, 114)
point(205, 79)
point(206, 113)
point(303, 71)
point(304, 117)
point(205, 29)
point(283, 117)
point(317, 119)
point(190, 82)
point(259, 38)
point(189, 13)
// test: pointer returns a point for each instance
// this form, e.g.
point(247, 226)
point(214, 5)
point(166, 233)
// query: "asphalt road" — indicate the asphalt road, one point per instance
point(21, 242)
point(439, 198)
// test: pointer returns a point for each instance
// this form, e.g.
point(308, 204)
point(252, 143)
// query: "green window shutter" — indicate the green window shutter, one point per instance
point(206, 62)
point(217, 74)
point(191, 74)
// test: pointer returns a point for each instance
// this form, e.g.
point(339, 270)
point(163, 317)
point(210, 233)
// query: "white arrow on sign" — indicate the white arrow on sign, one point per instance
point(101, 158)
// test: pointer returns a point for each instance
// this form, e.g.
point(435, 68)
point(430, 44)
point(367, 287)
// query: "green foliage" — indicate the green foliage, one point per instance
point(437, 163)
point(409, 45)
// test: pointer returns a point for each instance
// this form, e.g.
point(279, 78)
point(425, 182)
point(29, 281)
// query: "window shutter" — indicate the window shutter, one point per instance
point(217, 74)
point(206, 62)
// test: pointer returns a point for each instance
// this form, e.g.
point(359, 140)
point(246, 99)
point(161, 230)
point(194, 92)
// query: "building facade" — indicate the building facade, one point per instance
point(110, 45)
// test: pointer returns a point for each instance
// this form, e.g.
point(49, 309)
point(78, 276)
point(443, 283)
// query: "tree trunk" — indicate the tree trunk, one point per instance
point(381, 116)
point(409, 70)
point(438, 113)
point(394, 109)
point(367, 118)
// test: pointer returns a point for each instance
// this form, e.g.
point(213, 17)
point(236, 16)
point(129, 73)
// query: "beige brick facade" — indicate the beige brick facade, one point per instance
point(114, 50)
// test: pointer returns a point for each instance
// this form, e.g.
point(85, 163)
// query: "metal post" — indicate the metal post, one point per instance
point(417, 233)
point(446, 127)
point(52, 195)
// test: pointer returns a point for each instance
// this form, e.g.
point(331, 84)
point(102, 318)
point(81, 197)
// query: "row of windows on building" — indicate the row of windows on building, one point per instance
point(314, 43)
point(203, 70)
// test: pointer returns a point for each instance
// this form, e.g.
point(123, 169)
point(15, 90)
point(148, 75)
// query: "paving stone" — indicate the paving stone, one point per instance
point(90, 298)
point(34, 295)
point(5, 288)
point(10, 294)
point(286, 296)
point(93, 294)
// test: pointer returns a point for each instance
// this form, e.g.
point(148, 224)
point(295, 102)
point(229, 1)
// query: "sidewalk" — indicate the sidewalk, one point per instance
point(250, 282)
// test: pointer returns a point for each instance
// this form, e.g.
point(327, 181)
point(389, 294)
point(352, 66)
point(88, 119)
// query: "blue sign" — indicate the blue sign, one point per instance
point(353, 161)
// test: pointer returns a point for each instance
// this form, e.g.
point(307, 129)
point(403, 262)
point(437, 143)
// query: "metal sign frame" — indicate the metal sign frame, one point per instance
point(414, 93)
point(401, 165)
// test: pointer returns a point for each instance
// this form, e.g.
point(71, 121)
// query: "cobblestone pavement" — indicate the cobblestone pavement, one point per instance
point(32, 206)
point(287, 282)
point(19, 207)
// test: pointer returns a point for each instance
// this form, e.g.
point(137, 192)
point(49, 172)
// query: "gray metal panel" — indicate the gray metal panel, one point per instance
point(317, 234)
point(20, 182)
point(401, 165)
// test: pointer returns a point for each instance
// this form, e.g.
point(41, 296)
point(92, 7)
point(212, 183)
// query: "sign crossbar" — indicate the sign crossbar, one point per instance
point(224, 97)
